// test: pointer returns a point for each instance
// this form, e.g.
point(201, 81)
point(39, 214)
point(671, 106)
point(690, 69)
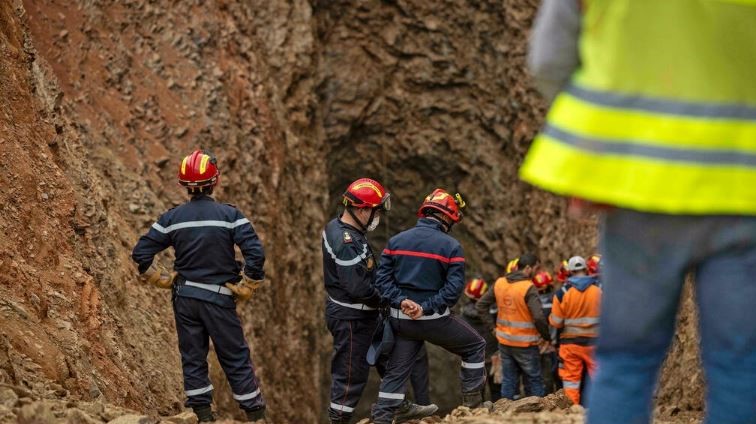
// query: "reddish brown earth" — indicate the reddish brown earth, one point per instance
point(101, 99)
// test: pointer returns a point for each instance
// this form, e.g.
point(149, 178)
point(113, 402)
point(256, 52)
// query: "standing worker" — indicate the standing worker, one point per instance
point(576, 314)
point(421, 276)
point(544, 283)
point(353, 303)
point(207, 285)
point(521, 328)
point(656, 120)
point(474, 290)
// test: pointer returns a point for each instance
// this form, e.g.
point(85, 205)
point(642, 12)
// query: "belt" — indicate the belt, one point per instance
point(396, 313)
point(359, 306)
point(210, 287)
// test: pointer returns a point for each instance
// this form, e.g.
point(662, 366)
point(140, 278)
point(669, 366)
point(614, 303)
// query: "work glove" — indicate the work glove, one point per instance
point(156, 278)
point(496, 372)
point(244, 289)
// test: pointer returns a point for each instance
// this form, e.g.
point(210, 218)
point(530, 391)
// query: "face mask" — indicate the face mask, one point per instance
point(374, 223)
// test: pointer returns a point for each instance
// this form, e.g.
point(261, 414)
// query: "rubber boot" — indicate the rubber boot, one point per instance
point(204, 413)
point(255, 415)
point(412, 411)
point(472, 399)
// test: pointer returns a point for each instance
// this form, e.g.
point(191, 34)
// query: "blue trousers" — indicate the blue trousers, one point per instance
point(645, 260)
point(525, 361)
point(449, 332)
point(196, 323)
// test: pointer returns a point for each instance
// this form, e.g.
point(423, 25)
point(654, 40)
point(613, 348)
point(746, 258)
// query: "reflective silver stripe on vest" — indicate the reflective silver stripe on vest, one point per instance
point(210, 287)
point(547, 305)
point(196, 392)
point(473, 365)
point(248, 396)
point(350, 262)
point(396, 313)
point(665, 106)
point(579, 321)
point(580, 330)
point(385, 395)
point(515, 324)
point(359, 306)
point(571, 384)
point(344, 408)
point(193, 224)
point(556, 319)
point(705, 156)
point(513, 338)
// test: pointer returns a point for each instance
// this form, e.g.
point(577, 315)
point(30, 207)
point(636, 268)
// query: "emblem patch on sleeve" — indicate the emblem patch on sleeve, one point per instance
point(347, 237)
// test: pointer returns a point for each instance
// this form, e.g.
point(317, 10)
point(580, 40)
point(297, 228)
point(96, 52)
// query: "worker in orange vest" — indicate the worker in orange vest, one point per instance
point(521, 327)
point(575, 311)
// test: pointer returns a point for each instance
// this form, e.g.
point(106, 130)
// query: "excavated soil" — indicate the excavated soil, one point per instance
point(100, 100)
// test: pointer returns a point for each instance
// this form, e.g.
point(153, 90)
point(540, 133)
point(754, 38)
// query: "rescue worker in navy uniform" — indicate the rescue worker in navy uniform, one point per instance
point(352, 307)
point(207, 285)
point(421, 276)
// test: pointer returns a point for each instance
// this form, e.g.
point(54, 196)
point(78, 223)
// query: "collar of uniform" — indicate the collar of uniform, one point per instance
point(351, 227)
point(430, 223)
point(202, 197)
point(516, 276)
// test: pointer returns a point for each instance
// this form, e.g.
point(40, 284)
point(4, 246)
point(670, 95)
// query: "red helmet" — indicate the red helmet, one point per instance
point(594, 264)
point(367, 193)
point(562, 273)
point(475, 288)
point(443, 202)
point(512, 265)
point(542, 279)
point(199, 169)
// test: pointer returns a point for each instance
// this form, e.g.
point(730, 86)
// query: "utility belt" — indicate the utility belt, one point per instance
point(358, 306)
point(210, 287)
point(398, 314)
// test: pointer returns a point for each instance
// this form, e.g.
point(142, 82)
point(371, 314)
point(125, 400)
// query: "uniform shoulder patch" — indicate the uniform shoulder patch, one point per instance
point(347, 237)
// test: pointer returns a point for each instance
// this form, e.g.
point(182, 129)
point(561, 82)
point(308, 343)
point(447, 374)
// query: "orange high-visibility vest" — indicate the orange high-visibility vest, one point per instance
point(514, 323)
point(577, 312)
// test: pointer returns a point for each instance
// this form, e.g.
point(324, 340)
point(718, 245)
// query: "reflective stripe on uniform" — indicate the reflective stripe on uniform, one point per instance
point(210, 287)
point(556, 319)
point(385, 395)
point(666, 106)
point(515, 324)
point(651, 149)
point(195, 392)
point(396, 313)
point(473, 365)
point(571, 384)
point(579, 321)
point(248, 396)
point(193, 224)
point(350, 262)
point(514, 338)
point(579, 330)
point(359, 306)
point(343, 408)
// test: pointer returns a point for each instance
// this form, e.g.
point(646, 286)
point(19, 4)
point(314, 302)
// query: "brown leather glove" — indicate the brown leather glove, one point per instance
point(244, 289)
point(156, 278)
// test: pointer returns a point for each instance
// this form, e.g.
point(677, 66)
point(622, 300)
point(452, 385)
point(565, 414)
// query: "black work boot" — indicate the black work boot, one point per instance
point(472, 399)
point(255, 415)
point(204, 413)
point(411, 411)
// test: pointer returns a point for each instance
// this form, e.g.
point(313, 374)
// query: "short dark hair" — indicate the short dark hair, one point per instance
point(527, 259)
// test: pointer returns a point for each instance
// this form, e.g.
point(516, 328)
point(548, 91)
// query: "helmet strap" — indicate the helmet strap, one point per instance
point(435, 216)
point(363, 227)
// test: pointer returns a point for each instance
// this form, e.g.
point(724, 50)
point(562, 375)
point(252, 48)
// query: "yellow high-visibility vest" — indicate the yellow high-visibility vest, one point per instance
point(661, 115)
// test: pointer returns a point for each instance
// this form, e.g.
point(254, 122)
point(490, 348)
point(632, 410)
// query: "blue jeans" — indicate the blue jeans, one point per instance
point(645, 260)
point(525, 361)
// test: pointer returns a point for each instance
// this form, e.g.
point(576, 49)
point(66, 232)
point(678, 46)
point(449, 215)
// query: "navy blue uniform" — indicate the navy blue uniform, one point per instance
point(351, 313)
point(203, 234)
point(426, 265)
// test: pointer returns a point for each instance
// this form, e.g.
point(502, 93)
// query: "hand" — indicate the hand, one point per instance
point(244, 289)
point(545, 347)
point(412, 309)
point(156, 278)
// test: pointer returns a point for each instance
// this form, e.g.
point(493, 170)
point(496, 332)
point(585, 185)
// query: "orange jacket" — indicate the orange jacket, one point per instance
point(576, 308)
point(515, 324)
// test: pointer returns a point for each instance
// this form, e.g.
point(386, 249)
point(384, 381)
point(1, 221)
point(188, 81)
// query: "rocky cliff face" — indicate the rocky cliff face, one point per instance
point(101, 99)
